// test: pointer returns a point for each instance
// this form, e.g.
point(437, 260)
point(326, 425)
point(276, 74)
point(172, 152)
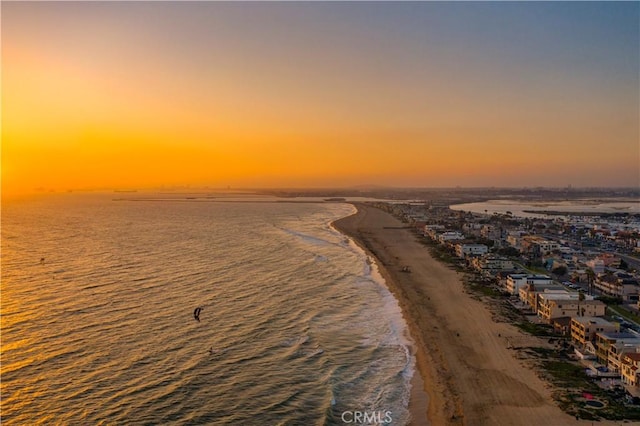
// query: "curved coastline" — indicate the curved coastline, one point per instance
point(417, 395)
point(419, 400)
point(468, 372)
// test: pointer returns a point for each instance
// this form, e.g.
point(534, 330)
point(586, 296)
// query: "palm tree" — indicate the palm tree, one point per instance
point(590, 279)
point(580, 299)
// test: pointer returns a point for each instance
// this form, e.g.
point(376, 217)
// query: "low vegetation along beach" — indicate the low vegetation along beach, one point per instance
point(466, 358)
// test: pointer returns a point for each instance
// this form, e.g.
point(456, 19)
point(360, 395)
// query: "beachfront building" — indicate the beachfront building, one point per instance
point(617, 351)
point(631, 369)
point(562, 326)
point(584, 329)
point(469, 250)
point(551, 306)
point(491, 263)
point(529, 293)
point(516, 281)
point(449, 236)
point(605, 340)
point(432, 231)
point(587, 351)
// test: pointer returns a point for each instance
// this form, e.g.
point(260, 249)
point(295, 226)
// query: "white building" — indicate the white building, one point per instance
point(464, 250)
point(517, 281)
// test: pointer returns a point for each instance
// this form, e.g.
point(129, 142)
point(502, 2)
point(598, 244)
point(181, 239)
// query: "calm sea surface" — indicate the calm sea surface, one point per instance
point(527, 209)
point(295, 326)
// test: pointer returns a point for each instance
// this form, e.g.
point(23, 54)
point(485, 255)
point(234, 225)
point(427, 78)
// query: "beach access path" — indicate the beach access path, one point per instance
point(470, 375)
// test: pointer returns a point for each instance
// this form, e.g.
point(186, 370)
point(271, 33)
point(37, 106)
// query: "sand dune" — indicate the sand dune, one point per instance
point(468, 372)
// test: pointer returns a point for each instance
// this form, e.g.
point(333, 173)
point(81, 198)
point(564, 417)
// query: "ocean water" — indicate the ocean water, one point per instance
point(296, 326)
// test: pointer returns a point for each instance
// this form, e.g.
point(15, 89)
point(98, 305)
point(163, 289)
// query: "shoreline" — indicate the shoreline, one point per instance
point(420, 399)
point(468, 373)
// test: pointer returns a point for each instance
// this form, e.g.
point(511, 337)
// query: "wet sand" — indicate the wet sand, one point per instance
point(470, 375)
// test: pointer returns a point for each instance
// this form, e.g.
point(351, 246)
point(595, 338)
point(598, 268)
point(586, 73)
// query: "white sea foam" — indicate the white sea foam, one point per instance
point(396, 334)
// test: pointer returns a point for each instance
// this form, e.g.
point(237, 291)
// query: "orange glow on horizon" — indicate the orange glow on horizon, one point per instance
point(118, 110)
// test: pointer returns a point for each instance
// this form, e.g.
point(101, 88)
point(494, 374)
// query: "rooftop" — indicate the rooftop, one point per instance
point(592, 321)
point(618, 335)
point(633, 355)
point(567, 296)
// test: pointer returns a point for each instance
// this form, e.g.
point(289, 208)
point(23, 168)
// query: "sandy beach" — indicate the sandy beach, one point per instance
point(470, 375)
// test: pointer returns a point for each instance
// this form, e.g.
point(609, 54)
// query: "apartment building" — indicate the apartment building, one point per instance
point(617, 351)
point(491, 263)
point(529, 293)
point(432, 231)
point(538, 246)
point(631, 369)
point(551, 306)
point(468, 250)
point(584, 329)
point(450, 236)
point(516, 281)
point(621, 285)
point(605, 340)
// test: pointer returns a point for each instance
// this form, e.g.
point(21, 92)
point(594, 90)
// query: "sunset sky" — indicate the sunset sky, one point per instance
point(134, 95)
